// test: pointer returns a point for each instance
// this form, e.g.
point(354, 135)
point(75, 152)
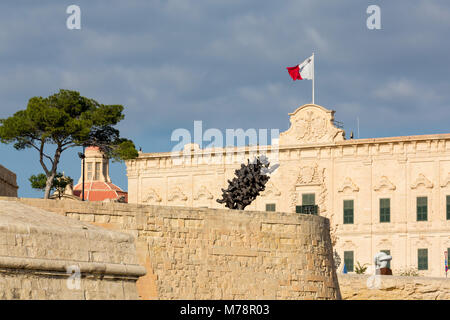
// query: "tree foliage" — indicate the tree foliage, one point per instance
point(66, 119)
point(250, 180)
point(59, 183)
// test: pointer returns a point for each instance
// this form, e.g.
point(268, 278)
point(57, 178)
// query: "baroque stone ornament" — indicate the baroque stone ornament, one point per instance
point(176, 193)
point(152, 196)
point(348, 183)
point(422, 180)
point(271, 190)
point(446, 181)
point(311, 123)
point(203, 192)
point(384, 183)
point(308, 175)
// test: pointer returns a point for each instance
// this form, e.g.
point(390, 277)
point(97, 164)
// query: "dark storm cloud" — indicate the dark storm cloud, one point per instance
point(223, 61)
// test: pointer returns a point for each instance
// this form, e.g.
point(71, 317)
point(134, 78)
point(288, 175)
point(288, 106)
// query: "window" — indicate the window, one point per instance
point(348, 260)
point(105, 173)
point(388, 252)
point(422, 259)
point(422, 208)
point(448, 207)
point(308, 199)
point(385, 210)
point(348, 211)
point(97, 171)
point(270, 206)
point(89, 170)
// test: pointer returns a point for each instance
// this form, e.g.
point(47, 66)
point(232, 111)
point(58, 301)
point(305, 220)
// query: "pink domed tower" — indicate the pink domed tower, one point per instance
point(97, 183)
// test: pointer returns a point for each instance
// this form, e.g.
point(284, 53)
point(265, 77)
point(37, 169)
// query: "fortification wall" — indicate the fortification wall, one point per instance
point(366, 287)
point(219, 254)
point(47, 256)
point(8, 183)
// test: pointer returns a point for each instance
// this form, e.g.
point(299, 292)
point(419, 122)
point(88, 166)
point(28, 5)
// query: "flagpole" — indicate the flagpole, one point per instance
point(313, 79)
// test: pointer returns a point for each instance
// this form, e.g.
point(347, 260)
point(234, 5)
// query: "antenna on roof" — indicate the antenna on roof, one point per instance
point(357, 123)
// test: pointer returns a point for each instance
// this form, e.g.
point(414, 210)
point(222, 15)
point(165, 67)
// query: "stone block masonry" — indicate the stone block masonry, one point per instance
point(39, 249)
point(8, 183)
point(355, 287)
point(200, 253)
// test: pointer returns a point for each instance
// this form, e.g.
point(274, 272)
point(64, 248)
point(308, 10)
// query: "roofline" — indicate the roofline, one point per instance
point(439, 136)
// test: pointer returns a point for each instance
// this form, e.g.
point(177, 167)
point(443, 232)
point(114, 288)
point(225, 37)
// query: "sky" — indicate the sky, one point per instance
point(223, 62)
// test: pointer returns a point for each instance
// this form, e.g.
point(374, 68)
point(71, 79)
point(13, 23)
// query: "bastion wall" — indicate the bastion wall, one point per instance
point(47, 256)
point(201, 253)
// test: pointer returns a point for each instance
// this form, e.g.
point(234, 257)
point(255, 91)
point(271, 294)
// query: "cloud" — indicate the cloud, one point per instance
point(170, 62)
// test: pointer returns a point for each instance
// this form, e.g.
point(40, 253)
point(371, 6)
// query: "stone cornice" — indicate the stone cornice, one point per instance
point(350, 142)
point(58, 266)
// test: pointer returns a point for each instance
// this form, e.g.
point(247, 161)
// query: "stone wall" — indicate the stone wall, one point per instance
point(358, 287)
point(8, 184)
point(193, 253)
point(47, 256)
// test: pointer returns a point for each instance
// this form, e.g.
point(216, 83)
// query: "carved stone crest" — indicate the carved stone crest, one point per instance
point(308, 175)
point(311, 124)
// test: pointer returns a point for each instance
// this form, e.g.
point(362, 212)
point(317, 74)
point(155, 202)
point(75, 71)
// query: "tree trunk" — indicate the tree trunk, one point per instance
point(48, 185)
point(52, 173)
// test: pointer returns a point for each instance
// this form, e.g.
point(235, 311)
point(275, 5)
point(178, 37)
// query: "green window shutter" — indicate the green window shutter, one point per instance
point(270, 207)
point(422, 259)
point(348, 260)
point(388, 252)
point(385, 210)
point(308, 199)
point(348, 211)
point(448, 207)
point(422, 208)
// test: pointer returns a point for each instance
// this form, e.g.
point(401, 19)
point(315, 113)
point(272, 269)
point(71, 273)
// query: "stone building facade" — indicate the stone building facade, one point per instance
point(389, 194)
point(8, 183)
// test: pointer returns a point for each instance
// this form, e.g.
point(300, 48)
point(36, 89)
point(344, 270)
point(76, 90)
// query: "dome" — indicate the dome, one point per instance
point(97, 183)
point(100, 191)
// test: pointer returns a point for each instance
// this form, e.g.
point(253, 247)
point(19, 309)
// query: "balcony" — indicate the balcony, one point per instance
point(308, 209)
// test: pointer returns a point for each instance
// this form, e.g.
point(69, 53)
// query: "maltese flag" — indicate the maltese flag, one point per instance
point(304, 70)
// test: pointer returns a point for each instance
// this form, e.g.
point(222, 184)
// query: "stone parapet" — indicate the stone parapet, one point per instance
point(44, 256)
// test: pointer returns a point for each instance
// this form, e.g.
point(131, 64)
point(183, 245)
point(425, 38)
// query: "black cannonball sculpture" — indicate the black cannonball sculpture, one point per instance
point(250, 180)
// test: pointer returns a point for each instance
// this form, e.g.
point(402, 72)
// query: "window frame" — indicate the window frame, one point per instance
point(448, 206)
point(271, 204)
point(346, 219)
point(385, 217)
point(420, 215)
point(422, 265)
point(352, 269)
point(308, 194)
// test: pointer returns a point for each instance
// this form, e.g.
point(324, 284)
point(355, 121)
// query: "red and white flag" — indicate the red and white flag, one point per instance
point(304, 70)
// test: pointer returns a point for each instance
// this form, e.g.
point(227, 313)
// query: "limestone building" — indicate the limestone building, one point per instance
point(8, 183)
point(390, 194)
